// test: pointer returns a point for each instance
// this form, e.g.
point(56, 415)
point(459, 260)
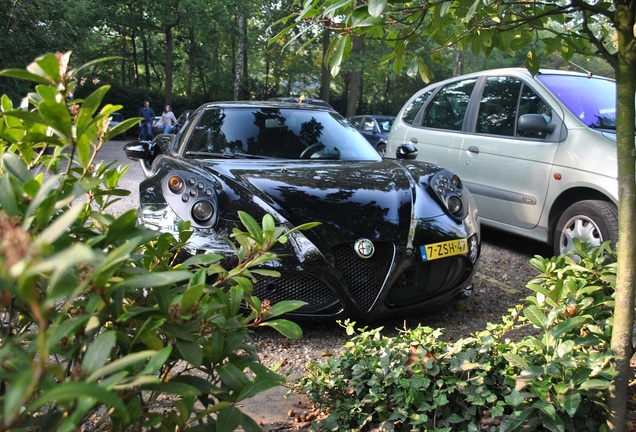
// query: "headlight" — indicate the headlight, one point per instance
point(202, 211)
point(191, 197)
point(448, 188)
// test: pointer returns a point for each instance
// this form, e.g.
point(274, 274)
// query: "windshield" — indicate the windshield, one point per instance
point(285, 133)
point(591, 99)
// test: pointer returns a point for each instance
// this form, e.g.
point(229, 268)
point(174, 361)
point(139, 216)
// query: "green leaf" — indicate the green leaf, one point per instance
point(59, 226)
point(76, 391)
point(89, 108)
point(567, 326)
point(532, 62)
point(251, 225)
point(571, 402)
point(19, 389)
point(156, 279)
point(249, 425)
point(8, 201)
point(190, 352)
point(283, 307)
point(376, 7)
point(595, 384)
point(190, 298)
point(232, 377)
point(287, 328)
point(536, 316)
point(99, 351)
point(259, 385)
point(236, 299)
point(229, 419)
point(24, 75)
point(58, 117)
point(120, 364)
point(514, 398)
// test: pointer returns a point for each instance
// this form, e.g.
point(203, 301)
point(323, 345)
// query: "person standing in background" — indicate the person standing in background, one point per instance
point(148, 115)
point(167, 120)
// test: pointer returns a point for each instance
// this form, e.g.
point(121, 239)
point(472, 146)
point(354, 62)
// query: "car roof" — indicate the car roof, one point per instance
point(265, 104)
point(515, 71)
point(296, 99)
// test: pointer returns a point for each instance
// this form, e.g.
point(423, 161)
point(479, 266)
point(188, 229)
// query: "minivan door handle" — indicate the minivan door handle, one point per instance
point(473, 149)
point(413, 140)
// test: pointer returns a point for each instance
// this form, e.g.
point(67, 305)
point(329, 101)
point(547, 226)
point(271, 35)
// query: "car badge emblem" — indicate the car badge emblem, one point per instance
point(364, 248)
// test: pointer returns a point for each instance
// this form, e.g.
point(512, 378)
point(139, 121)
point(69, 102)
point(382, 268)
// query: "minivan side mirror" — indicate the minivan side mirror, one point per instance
point(406, 151)
point(535, 123)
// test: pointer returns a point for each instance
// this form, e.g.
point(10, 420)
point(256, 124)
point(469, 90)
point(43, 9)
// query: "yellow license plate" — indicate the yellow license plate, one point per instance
point(444, 249)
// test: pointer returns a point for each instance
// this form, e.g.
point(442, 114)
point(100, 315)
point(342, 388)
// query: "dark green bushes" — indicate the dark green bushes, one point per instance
point(99, 325)
point(553, 378)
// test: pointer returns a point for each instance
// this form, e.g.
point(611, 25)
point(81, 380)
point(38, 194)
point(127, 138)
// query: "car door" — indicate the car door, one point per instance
point(506, 169)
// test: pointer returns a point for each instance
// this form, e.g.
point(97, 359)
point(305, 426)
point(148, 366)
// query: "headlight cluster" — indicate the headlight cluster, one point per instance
point(191, 197)
point(450, 191)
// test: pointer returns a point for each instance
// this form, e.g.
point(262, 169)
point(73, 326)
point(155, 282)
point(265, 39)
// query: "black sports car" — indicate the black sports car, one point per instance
point(396, 235)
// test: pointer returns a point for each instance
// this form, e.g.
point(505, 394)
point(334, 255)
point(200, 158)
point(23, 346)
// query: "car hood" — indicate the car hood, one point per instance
point(346, 197)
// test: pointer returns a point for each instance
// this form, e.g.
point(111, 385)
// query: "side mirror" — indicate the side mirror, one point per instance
point(535, 123)
point(140, 151)
point(406, 151)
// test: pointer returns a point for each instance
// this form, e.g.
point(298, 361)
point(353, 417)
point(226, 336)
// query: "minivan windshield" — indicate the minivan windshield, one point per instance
point(591, 99)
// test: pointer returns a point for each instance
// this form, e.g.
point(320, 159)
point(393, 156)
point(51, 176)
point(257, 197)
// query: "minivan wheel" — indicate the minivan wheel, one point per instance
point(593, 221)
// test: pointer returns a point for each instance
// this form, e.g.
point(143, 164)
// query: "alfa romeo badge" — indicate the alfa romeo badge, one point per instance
point(364, 248)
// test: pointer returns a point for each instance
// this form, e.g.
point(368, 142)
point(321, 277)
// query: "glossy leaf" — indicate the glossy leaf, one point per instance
point(98, 352)
point(287, 328)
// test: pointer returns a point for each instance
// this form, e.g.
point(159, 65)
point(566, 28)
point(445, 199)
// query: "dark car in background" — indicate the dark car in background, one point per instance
point(183, 117)
point(395, 236)
point(375, 129)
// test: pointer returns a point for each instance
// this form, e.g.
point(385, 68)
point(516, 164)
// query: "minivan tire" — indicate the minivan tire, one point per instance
point(594, 221)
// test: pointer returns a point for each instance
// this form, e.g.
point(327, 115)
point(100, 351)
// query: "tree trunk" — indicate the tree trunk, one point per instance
point(146, 54)
point(238, 67)
point(191, 57)
point(355, 81)
point(624, 308)
point(325, 75)
point(169, 64)
point(135, 57)
point(458, 63)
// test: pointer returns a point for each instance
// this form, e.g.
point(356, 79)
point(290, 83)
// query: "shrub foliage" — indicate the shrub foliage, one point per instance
point(101, 325)
point(546, 366)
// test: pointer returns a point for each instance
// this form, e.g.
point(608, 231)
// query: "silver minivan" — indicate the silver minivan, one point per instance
point(538, 153)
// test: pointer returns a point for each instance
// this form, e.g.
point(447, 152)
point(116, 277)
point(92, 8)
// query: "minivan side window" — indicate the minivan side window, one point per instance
point(410, 112)
point(498, 106)
point(448, 108)
point(503, 100)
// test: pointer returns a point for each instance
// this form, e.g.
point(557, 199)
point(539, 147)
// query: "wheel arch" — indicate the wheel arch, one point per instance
point(566, 199)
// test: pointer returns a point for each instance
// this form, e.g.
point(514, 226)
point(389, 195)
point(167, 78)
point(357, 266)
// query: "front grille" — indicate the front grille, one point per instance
point(364, 277)
point(296, 286)
point(423, 280)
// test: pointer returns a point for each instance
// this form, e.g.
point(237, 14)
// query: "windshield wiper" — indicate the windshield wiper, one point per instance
point(225, 155)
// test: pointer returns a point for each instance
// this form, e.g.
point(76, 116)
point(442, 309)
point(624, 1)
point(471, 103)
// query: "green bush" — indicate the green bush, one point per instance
point(101, 325)
point(554, 377)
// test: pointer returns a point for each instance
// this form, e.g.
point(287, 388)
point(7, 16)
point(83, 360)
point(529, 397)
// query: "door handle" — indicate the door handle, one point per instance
point(413, 140)
point(473, 149)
